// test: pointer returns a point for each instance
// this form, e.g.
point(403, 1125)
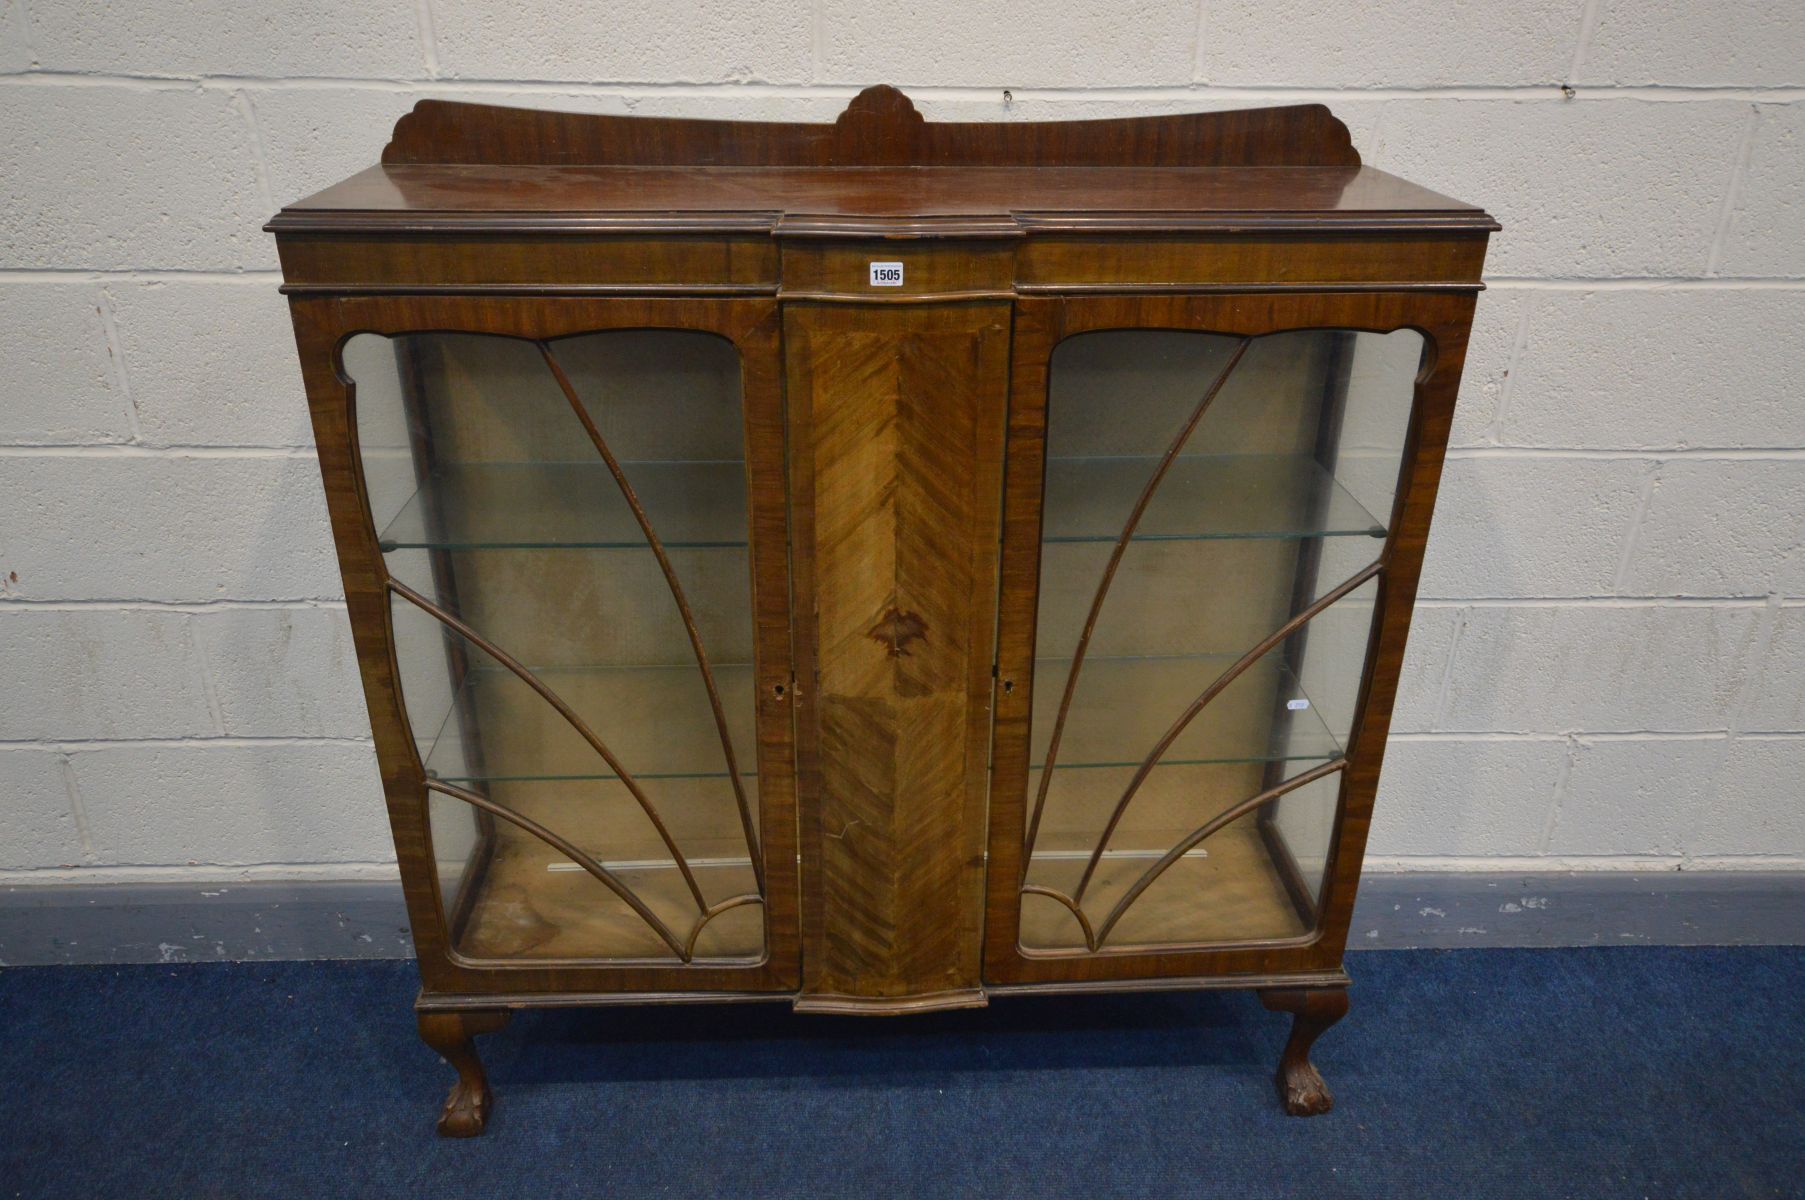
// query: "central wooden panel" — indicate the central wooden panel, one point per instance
point(897, 415)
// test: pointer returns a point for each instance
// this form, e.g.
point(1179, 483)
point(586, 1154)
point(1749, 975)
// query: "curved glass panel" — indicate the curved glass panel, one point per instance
point(575, 647)
point(1214, 508)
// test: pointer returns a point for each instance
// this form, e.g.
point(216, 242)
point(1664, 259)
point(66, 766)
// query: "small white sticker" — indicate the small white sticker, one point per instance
point(886, 274)
point(1297, 705)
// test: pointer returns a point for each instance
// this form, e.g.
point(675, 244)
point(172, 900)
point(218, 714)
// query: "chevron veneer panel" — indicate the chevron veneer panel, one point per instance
point(900, 413)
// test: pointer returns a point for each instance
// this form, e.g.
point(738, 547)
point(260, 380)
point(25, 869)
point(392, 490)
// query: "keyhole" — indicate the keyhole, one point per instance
point(1008, 687)
point(777, 690)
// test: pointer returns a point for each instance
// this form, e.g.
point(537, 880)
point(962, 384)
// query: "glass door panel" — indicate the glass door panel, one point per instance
point(1214, 513)
point(564, 525)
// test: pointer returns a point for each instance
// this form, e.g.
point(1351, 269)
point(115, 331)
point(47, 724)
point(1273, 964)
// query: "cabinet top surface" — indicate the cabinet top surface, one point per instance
point(880, 167)
point(763, 197)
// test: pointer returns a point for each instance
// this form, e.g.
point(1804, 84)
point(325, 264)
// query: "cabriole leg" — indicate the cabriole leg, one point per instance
point(1314, 1009)
point(451, 1034)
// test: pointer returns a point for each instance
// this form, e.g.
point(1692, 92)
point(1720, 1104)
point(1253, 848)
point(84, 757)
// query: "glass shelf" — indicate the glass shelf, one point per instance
point(1205, 496)
point(654, 719)
point(657, 722)
point(691, 505)
point(702, 505)
point(1124, 705)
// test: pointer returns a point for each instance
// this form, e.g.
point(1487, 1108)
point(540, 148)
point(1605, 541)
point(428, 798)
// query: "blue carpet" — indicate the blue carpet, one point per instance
point(1471, 1074)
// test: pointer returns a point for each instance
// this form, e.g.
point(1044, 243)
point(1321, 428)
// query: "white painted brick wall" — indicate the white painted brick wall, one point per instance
point(1594, 187)
point(61, 383)
point(1553, 668)
point(233, 804)
point(1763, 235)
point(103, 176)
point(691, 41)
point(192, 346)
point(1775, 701)
point(41, 827)
point(102, 673)
point(227, 37)
point(1609, 663)
point(1679, 43)
point(181, 526)
point(1406, 43)
point(300, 656)
point(1634, 796)
point(1103, 43)
point(1566, 544)
point(1467, 796)
point(1689, 367)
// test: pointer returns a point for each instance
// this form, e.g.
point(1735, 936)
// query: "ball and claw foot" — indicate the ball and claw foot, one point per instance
point(452, 1034)
point(1301, 1088)
point(466, 1111)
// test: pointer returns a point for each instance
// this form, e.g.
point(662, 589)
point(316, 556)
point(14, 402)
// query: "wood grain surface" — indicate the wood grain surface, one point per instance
point(897, 418)
point(880, 127)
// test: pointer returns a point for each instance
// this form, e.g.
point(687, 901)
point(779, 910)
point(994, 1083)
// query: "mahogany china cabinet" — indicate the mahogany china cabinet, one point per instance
point(878, 565)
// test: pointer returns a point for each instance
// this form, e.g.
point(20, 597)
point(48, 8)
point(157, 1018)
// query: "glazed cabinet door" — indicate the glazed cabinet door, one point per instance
point(1214, 520)
point(562, 530)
